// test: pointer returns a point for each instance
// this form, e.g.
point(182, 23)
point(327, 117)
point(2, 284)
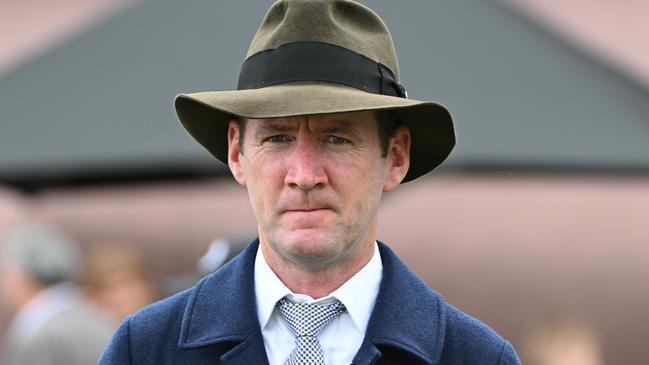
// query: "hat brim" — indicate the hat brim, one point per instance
point(205, 115)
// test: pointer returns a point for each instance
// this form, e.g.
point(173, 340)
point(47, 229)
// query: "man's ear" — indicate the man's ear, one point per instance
point(234, 152)
point(398, 157)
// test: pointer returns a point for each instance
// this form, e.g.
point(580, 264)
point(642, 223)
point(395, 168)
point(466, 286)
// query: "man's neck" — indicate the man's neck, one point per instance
point(316, 283)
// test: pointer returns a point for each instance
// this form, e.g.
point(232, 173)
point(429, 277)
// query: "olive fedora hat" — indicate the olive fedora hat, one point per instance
point(319, 57)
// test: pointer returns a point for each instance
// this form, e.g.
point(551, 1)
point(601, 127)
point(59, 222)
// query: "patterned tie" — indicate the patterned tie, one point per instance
point(306, 321)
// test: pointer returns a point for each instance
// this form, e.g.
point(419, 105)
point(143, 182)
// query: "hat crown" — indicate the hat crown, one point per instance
point(343, 23)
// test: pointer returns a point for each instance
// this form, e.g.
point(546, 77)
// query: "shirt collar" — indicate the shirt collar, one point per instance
point(268, 289)
point(358, 294)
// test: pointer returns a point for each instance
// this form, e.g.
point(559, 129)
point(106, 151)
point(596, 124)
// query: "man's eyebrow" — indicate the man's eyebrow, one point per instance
point(343, 127)
point(269, 127)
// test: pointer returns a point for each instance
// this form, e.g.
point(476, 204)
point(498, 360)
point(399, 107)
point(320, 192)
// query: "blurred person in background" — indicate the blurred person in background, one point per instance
point(52, 324)
point(117, 280)
point(560, 341)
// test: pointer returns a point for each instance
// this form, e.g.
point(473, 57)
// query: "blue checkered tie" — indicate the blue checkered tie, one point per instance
point(306, 321)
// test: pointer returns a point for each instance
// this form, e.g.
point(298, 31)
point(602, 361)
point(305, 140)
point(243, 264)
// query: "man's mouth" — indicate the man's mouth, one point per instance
point(314, 213)
point(307, 210)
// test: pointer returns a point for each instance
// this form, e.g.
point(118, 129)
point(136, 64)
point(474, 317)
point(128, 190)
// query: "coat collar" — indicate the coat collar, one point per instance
point(222, 312)
point(408, 316)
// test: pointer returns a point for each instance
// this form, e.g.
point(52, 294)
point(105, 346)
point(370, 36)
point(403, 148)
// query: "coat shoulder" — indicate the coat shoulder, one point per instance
point(470, 341)
point(414, 320)
point(156, 326)
point(161, 317)
point(186, 327)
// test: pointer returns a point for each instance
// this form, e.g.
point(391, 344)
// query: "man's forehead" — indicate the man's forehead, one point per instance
point(352, 120)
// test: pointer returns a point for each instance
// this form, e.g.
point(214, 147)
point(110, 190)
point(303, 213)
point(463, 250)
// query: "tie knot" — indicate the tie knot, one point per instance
point(308, 319)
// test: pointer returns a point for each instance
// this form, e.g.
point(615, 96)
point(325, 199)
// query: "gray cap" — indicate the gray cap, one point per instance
point(44, 252)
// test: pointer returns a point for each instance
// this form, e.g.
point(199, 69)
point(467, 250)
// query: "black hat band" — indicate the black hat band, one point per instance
point(318, 61)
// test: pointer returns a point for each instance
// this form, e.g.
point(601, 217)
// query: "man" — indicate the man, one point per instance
point(52, 325)
point(318, 129)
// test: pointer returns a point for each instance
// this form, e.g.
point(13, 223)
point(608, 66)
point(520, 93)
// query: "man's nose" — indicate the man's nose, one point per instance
point(305, 166)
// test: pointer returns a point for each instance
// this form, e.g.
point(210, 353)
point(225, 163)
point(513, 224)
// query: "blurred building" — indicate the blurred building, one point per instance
point(540, 209)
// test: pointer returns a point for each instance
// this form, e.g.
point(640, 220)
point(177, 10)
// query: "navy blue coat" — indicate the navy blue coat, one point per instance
point(215, 322)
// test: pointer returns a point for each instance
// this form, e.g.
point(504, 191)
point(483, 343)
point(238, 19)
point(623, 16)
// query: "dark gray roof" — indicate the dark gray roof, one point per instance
point(520, 96)
point(101, 104)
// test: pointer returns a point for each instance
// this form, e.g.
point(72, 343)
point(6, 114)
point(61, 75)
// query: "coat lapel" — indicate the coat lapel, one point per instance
point(222, 313)
point(408, 320)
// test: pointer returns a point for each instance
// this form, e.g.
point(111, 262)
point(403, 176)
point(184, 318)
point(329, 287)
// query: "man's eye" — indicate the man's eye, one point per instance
point(337, 140)
point(278, 139)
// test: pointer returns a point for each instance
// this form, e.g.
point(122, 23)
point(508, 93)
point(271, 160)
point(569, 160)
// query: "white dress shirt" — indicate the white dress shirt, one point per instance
point(340, 339)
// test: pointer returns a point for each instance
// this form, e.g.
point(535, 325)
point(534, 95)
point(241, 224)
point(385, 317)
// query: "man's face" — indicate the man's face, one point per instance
point(315, 182)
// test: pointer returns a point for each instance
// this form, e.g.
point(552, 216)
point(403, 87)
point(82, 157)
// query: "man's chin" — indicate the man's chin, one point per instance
point(311, 248)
